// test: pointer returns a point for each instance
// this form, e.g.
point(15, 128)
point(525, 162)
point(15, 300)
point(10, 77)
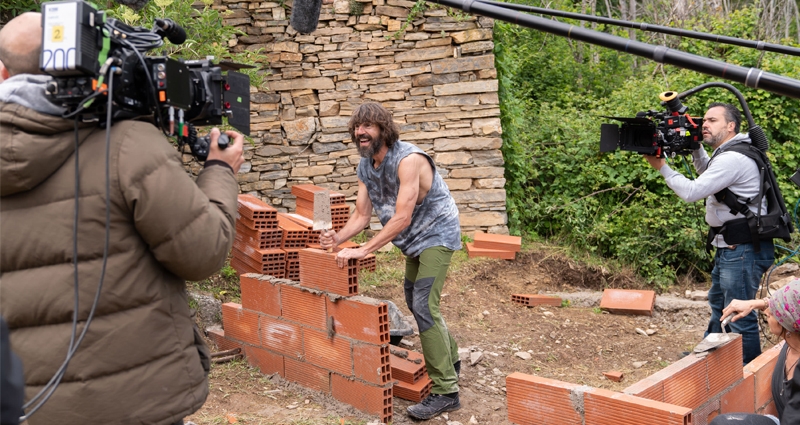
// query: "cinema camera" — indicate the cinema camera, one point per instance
point(668, 133)
point(83, 50)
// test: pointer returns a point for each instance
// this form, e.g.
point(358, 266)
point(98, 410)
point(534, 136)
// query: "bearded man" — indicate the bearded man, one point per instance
point(399, 181)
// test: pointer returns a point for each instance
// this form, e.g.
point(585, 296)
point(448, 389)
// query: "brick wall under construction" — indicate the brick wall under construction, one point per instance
point(691, 391)
point(437, 78)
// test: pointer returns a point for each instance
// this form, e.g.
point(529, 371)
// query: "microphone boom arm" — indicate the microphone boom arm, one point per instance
point(750, 77)
point(759, 45)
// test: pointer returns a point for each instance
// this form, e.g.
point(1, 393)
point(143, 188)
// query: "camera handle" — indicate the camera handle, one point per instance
point(756, 133)
point(200, 146)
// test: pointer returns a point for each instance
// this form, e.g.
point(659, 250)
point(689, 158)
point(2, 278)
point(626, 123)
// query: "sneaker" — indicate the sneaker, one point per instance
point(434, 405)
point(457, 367)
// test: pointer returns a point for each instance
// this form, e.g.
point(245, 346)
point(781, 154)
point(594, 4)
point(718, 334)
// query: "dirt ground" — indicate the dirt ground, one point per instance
point(572, 343)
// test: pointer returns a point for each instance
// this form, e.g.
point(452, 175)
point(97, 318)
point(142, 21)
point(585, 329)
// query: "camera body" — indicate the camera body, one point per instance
point(669, 133)
point(81, 48)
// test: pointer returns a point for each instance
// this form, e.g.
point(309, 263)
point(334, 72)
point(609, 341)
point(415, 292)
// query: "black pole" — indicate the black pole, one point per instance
point(760, 45)
point(750, 77)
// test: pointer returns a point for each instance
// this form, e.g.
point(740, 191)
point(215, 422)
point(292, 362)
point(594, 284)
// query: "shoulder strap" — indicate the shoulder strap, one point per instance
point(732, 201)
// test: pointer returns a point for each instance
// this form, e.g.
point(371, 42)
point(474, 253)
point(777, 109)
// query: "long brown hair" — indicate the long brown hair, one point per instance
point(374, 113)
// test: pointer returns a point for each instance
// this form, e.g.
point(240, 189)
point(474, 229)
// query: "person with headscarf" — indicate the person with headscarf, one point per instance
point(783, 316)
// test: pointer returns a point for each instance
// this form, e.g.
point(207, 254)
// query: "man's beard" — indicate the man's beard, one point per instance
point(374, 146)
point(711, 140)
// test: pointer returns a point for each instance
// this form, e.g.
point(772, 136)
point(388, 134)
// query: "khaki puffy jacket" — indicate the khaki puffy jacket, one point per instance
point(140, 362)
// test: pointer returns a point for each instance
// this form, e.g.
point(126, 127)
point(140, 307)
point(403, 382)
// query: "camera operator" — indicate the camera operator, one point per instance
point(737, 268)
point(143, 359)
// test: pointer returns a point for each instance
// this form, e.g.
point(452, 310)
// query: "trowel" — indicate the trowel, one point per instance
point(322, 211)
point(714, 340)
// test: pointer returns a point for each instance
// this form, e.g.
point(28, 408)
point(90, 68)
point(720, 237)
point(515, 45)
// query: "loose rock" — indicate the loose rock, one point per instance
point(641, 331)
point(475, 357)
point(523, 355)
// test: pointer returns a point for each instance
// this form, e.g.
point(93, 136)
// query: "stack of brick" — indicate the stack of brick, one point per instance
point(494, 246)
point(437, 77)
point(269, 242)
point(257, 247)
point(410, 374)
point(692, 390)
point(322, 339)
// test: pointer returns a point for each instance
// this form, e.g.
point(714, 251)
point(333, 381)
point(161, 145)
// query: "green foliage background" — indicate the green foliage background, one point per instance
point(554, 93)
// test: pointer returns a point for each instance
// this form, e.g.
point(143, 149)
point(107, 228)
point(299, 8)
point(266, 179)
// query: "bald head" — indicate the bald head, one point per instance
point(21, 45)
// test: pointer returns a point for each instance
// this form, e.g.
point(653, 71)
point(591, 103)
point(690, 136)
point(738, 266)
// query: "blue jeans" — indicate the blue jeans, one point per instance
point(736, 275)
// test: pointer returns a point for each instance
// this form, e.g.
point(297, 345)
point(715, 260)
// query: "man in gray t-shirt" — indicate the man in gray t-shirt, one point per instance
point(399, 181)
point(737, 267)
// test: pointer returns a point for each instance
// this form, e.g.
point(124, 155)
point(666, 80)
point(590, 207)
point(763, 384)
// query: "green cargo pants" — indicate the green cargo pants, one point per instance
point(423, 288)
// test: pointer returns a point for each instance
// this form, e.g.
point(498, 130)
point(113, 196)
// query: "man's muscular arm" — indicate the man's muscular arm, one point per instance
point(356, 223)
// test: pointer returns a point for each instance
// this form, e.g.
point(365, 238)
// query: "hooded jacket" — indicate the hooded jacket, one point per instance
point(142, 360)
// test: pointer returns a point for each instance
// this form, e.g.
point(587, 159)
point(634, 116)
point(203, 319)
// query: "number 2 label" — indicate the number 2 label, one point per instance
point(58, 34)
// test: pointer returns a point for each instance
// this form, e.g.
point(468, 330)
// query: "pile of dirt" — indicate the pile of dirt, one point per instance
point(574, 343)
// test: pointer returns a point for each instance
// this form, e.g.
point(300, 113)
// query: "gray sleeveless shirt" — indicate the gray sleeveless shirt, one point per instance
point(434, 222)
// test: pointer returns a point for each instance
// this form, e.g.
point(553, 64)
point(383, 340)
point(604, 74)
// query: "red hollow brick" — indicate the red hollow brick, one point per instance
point(409, 370)
point(239, 324)
point(628, 301)
point(498, 242)
point(689, 386)
point(762, 367)
point(241, 261)
point(333, 354)
point(318, 270)
point(222, 343)
point(303, 307)
point(258, 224)
point(649, 388)
point(266, 361)
point(259, 256)
point(534, 400)
point(253, 208)
point(261, 239)
point(414, 392)
point(361, 318)
point(259, 294)
point(604, 407)
point(723, 365)
point(281, 336)
point(369, 263)
point(371, 363)
point(741, 397)
point(308, 375)
point(531, 300)
point(306, 192)
point(372, 399)
point(472, 252)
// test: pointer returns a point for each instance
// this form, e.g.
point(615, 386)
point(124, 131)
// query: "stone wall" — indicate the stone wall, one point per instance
point(437, 78)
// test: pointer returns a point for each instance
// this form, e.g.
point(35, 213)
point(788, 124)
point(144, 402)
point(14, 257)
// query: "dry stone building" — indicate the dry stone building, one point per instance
point(437, 77)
